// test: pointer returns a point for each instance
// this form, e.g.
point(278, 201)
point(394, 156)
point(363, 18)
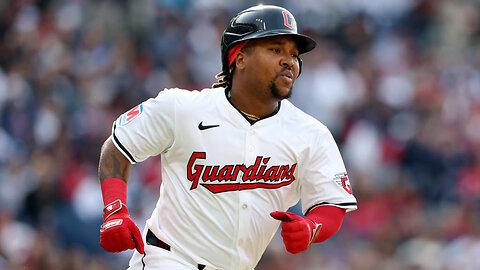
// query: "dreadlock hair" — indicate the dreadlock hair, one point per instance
point(224, 78)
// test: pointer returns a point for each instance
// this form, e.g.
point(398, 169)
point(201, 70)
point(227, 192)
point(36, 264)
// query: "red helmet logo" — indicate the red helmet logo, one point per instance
point(288, 19)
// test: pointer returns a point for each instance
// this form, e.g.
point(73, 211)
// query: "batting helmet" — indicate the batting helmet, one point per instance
point(262, 21)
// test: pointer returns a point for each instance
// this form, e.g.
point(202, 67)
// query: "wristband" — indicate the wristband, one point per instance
point(114, 189)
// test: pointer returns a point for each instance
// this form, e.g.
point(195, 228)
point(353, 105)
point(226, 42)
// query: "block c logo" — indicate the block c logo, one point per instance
point(288, 20)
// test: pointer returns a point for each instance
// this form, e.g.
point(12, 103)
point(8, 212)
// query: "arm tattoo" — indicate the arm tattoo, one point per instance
point(112, 163)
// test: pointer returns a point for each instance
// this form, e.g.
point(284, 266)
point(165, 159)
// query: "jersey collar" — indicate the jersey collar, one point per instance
point(227, 96)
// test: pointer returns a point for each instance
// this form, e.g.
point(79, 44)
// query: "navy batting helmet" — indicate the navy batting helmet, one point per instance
point(262, 21)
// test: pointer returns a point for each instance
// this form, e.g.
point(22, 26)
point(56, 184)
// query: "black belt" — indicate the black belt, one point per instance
point(154, 241)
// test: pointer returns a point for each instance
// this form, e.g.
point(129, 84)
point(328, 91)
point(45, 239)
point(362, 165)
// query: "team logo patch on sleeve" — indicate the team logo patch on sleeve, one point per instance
point(342, 180)
point(130, 115)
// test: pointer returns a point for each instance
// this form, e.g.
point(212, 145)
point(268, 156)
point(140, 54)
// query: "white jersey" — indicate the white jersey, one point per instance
point(223, 176)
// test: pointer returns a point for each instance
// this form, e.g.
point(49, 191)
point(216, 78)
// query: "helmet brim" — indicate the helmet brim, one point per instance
point(304, 43)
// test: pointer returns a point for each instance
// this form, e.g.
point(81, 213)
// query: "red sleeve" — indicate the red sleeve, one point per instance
point(331, 218)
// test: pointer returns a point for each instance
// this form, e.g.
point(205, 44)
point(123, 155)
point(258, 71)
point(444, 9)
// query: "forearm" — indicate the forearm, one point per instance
point(118, 231)
point(112, 163)
point(113, 173)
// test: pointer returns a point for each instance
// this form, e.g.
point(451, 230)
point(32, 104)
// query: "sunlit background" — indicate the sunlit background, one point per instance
point(397, 82)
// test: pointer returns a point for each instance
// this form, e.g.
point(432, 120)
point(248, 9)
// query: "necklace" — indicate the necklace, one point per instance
point(250, 116)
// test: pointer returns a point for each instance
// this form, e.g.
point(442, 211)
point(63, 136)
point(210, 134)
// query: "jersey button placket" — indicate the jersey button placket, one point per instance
point(244, 224)
point(251, 153)
point(251, 141)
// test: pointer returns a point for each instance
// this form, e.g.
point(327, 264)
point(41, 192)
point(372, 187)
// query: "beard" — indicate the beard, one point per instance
point(276, 92)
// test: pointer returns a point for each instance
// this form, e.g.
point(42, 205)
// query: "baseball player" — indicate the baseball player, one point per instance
point(234, 158)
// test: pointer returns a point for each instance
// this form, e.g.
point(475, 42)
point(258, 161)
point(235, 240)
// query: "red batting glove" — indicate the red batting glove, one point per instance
point(118, 231)
point(297, 232)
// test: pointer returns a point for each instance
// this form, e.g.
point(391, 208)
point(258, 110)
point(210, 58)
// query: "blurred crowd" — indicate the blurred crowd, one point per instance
point(397, 82)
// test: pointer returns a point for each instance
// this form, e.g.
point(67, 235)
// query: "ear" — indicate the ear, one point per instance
point(240, 60)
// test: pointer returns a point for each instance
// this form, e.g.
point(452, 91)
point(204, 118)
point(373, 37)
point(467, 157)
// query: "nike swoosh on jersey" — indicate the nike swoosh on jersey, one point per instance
point(202, 127)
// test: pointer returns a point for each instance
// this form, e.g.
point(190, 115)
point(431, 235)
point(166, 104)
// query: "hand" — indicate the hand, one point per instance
point(297, 232)
point(118, 231)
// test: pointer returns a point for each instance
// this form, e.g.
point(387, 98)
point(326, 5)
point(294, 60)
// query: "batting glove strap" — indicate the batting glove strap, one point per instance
point(313, 229)
point(114, 207)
